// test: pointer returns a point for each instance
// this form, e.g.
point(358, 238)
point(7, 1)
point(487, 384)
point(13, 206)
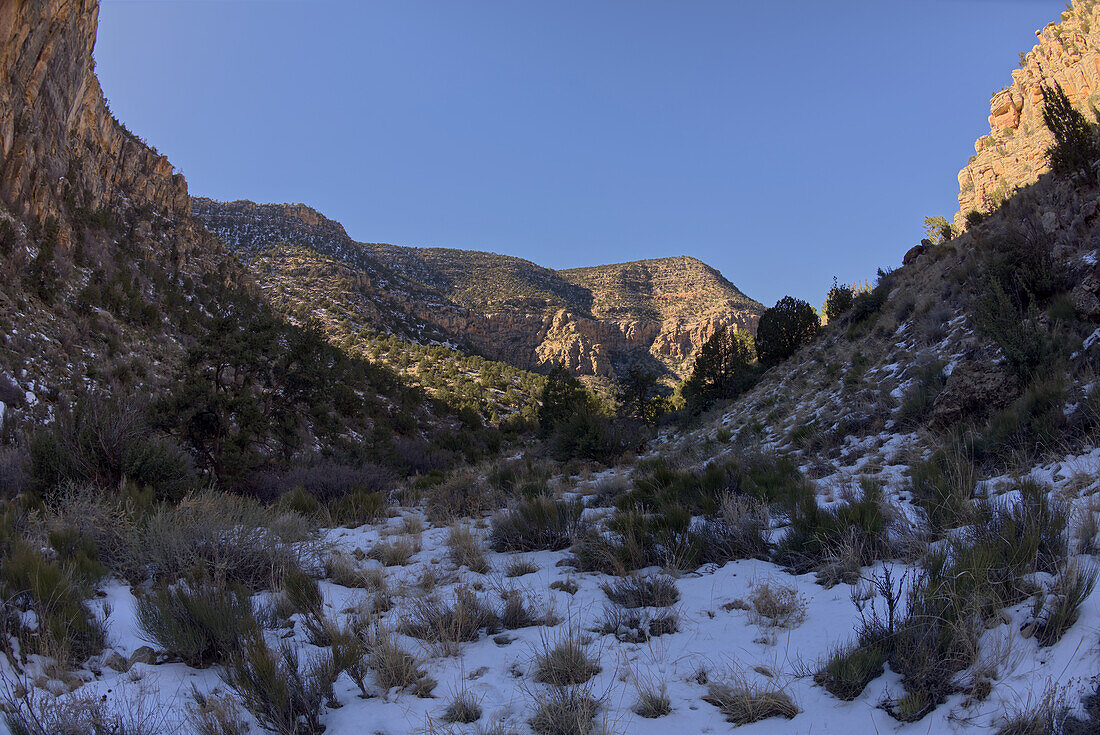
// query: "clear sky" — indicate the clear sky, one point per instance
point(782, 143)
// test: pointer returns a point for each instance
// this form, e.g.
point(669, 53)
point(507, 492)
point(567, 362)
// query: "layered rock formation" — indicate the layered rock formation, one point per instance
point(593, 321)
point(1014, 152)
point(59, 144)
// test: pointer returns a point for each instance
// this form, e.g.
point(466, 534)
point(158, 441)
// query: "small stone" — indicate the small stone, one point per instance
point(116, 662)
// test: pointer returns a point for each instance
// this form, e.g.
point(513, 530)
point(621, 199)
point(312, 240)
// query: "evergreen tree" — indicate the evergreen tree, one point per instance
point(562, 397)
point(784, 328)
point(639, 397)
point(724, 368)
point(1075, 145)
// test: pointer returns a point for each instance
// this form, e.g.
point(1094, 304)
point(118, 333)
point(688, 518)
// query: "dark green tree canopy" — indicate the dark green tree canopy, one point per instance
point(724, 368)
point(1075, 145)
point(639, 396)
point(784, 328)
point(563, 397)
point(838, 300)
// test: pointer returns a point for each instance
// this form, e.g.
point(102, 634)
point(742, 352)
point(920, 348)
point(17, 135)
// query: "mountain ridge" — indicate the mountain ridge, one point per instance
point(595, 321)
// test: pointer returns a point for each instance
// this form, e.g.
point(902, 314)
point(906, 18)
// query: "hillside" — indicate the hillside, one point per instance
point(114, 300)
point(594, 321)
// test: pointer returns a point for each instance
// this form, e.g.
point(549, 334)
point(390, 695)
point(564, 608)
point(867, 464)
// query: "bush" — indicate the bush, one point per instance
point(284, 697)
point(215, 715)
point(739, 530)
point(536, 524)
point(393, 666)
point(64, 628)
point(592, 435)
point(200, 624)
point(1075, 146)
point(396, 552)
point(1071, 590)
point(854, 532)
point(784, 328)
point(30, 711)
point(463, 495)
point(776, 606)
point(943, 485)
point(743, 703)
point(838, 300)
point(637, 625)
point(463, 708)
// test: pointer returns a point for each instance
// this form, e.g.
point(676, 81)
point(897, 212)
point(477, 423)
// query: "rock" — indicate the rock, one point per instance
point(973, 390)
point(1050, 221)
point(116, 662)
point(1013, 155)
point(143, 655)
point(1086, 297)
point(915, 252)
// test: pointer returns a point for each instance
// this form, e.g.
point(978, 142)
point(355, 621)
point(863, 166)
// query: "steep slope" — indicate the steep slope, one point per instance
point(594, 321)
point(111, 294)
point(1014, 152)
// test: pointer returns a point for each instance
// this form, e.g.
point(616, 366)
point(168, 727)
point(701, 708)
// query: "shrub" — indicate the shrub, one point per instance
point(564, 711)
point(200, 624)
point(847, 670)
point(30, 711)
point(943, 486)
point(592, 435)
point(64, 627)
point(520, 612)
point(465, 550)
point(215, 715)
point(1075, 145)
point(743, 703)
point(637, 591)
point(303, 595)
point(784, 328)
point(357, 507)
point(818, 534)
point(342, 569)
point(538, 523)
point(920, 397)
point(567, 663)
point(838, 300)
point(739, 530)
point(1071, 590)
point(464, 495)
point(520, 567)
point(284, 697)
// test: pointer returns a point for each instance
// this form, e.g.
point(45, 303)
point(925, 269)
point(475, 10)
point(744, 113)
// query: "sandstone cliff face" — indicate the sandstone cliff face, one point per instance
point(58, 140)
point(594, 321)
point(1014, 153)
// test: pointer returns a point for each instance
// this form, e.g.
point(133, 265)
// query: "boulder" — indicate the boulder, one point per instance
point(972, 391)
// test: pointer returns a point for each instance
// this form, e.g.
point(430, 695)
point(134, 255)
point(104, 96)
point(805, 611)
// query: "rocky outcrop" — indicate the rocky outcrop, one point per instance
point(1014, 153)
point(593, 321)
point(59, 144)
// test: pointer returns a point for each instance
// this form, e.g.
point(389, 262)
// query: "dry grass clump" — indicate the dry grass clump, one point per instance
point(567, 663)
point(564, 711)
point(463, 708)
point(393, 666)
point(344, 570)
point(30, 711)
point(1060, 612)
point(847, 670)
point(448, 623)
point(653, 701)
point(395, 552)
point(639, 624)
point(520, 567)
point(777, 606)
point(743, 703)
point(739, 530)
point(214, 714)
point(638, 591)
point(465, 550)
point(520, 611)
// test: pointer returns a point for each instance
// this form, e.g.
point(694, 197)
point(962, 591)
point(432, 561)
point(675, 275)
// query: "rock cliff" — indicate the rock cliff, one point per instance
point(59, 144)
point(594, 321)
point(1014, 153)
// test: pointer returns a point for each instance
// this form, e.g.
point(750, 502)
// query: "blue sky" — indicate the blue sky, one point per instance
point(782, 146)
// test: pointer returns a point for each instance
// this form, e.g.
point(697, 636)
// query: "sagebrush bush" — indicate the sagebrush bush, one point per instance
point(393, 666)
point(637, 625)
point(284, 697)
point(215, 715)
point(395, 552)
point(201, 624)
point(777, 606)
point(740, 529)
point(463, 495)
point(538, 523)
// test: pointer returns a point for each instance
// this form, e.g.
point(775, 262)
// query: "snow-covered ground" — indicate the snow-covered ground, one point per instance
point(717, 640)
